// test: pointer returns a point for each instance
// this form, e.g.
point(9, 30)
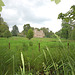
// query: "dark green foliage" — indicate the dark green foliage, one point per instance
point(3, 27)
point(30, 34)
point(7, 34)
point(68, 17)
point(1, 20)
point(68, 20)
point(72, 14)
point(61, 16)
point(46, 31)
point(73, 34)
point(38, 29)
point(51, 34)
point(26, 27)
point(15, 30)
point(59, 33)
point(32, 28)
point(65, 31)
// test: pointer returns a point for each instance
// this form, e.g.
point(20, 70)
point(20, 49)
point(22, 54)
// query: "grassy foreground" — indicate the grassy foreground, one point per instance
point(26, 57)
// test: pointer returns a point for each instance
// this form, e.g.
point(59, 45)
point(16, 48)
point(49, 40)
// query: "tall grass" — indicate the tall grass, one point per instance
point(22, 68)
point(54, 57)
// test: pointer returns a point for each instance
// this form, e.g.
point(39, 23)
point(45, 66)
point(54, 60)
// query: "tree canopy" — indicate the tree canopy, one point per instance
point(15, 30)
point(68, 17)
point(30, 34)
point(7, 34)
point(3, 27)
point(68, 23)
point(26, 27)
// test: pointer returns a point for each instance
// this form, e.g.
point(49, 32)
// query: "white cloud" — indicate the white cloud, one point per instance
point(39, 13)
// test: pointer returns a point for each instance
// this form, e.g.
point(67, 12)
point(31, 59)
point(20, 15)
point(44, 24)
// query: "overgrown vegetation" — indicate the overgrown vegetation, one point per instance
point(54, 57)
point(41, 56)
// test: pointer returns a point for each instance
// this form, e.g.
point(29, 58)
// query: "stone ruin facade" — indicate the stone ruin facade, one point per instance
point(38, 34)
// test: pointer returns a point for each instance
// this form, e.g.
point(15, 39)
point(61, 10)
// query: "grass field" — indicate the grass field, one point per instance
point(25, 57)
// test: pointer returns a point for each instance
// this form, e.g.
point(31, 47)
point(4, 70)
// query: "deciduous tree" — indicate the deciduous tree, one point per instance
point(7, 34)
point(3, 26)
point(15, 30)
point(73, 34)
point(30, 34)
point(46, 31)
point(68, 20)
point(26, 27)
point(68, 17)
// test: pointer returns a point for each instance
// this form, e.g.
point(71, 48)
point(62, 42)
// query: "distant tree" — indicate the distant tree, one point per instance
point(46, 31)
point(7, 34)
point(67, 22)
point(68, 17)
point(1, 20)
point(73, 34)
point(65, 32)
point(38, 29)
point(5, 23)
point(26, 27)
point(3, 28)
point(51, 34)
point(32, 28)
point(15, 30)
point(30, 34)
point(59, 33)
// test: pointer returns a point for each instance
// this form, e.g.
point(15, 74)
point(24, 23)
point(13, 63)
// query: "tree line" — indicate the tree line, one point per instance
point(67, 31)
point(4, 29)
point(27, 28)
point(68, 24)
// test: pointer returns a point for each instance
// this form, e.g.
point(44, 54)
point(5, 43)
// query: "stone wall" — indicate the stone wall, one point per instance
point(38, 34)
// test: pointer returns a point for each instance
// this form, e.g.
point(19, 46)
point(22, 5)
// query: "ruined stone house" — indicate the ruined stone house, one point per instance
point(38, 34)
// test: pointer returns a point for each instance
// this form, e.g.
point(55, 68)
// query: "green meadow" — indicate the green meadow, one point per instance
point(38, 56)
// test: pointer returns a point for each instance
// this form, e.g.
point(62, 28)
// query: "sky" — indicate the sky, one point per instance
point(37, 13)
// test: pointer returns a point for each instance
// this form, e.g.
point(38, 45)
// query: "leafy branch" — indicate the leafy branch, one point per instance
point(56, 1)
point(1, 4)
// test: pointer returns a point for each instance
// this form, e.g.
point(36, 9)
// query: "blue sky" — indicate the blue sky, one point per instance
point(38, 13)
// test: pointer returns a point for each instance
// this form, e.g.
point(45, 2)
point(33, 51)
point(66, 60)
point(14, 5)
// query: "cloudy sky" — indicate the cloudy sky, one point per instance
point(37, 13)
